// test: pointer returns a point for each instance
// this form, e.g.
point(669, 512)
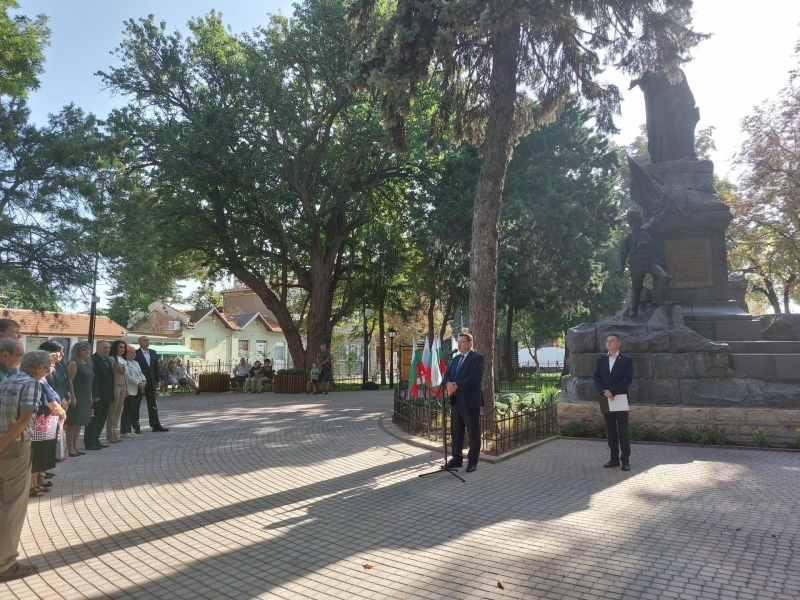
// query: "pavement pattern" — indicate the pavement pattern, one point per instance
point(276, 496)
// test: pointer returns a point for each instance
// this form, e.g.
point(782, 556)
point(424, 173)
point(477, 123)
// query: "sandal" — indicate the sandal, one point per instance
point(42, 482)
point(42, 489)
point(34, 493)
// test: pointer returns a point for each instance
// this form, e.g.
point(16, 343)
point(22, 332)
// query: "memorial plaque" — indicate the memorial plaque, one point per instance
point(689, 259)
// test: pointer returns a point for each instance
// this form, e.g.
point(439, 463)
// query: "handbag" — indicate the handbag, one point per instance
point(45, 428)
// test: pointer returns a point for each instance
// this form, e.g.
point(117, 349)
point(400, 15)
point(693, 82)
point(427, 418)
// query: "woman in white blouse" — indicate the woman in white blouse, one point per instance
point(135, 381)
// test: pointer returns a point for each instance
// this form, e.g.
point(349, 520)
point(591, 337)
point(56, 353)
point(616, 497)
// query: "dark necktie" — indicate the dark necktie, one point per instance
point(108, 364)
point(458, 366)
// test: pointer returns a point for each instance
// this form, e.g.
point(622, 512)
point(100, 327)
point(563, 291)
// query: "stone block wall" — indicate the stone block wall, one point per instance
point(680, 378)
point(740, 424)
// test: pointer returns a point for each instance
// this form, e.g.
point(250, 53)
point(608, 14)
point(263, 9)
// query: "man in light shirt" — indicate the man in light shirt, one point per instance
point(20, 398)
point(612, 376)
point(241, 371)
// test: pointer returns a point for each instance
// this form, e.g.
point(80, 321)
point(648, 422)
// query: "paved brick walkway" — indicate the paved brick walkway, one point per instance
point(289, 497)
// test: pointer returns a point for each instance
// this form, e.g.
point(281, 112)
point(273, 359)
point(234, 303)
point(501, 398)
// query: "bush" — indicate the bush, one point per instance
point(370, 385)
point(507, 398)
point(650, 433)
point(550, 393)
point(291, 372)
point(760, 437)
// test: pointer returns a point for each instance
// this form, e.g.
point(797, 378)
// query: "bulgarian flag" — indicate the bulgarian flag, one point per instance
point(416, 374)
point(434, 372)
point(426, 363)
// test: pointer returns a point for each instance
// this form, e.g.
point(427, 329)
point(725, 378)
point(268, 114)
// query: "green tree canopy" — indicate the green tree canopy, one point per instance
point(484, 52)
point(260, 155)
point(765, 233)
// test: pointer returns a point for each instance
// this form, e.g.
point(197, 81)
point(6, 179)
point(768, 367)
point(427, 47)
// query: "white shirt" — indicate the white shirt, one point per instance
point(146, 355)
point(612, 360)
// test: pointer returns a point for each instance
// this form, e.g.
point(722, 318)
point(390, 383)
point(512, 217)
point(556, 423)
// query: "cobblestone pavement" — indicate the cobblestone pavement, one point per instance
point(290, 497)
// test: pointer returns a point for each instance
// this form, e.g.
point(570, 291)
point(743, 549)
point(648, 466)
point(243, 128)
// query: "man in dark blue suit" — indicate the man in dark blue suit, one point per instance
point(463, 380)
point(612, 376)
point(102, 396)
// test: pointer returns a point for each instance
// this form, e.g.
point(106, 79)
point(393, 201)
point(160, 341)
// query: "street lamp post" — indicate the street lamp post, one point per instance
point(392, 332)
point(367, 314)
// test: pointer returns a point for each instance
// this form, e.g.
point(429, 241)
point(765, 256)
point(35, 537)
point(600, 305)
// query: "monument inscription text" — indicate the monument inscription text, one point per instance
point(689, 259)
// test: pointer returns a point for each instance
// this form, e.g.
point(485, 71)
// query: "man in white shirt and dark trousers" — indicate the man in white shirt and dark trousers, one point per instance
point(612, 376)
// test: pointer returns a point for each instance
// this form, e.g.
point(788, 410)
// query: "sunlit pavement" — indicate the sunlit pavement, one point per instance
point(307, 497)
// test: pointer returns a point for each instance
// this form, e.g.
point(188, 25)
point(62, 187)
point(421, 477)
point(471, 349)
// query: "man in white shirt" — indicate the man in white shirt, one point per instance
point(612, 376)
point(241, 371)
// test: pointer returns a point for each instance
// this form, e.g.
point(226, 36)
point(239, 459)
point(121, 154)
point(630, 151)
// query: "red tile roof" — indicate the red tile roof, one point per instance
point(33, 322)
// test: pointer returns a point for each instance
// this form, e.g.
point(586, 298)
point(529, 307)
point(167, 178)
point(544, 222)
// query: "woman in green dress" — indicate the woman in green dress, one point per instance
point(81, 376)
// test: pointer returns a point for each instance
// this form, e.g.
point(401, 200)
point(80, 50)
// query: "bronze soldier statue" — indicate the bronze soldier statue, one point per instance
point(640, 247)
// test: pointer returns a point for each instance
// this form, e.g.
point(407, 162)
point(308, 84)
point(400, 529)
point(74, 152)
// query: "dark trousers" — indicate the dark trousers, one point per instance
point(91, 433)
point(152, 407)
point(617, 425)
point(135, 406)
point(467, 419)
point(127, 411)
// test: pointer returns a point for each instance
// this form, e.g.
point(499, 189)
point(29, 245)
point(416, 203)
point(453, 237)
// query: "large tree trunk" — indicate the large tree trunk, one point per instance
point(496, 150)
point(506, 358)
point(431, 312)
point(788, 285)
point(382, 342)
point(768, 289)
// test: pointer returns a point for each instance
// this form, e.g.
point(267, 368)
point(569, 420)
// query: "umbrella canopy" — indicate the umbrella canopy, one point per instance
point(170, 350)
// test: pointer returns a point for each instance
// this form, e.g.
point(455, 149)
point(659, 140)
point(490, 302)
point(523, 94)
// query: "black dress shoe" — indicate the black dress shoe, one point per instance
point(71, 455)
point(611, 463)
point(161, 429)
point(626, 466)
point(455, 463)
point(471, 466)
point(92, 447)
point(49, 475)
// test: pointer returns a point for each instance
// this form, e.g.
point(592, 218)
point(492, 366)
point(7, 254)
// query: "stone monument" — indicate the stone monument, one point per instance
point(699, 357)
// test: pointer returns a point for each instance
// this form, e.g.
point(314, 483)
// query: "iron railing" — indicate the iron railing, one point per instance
point(501, 431)
point(343, 380)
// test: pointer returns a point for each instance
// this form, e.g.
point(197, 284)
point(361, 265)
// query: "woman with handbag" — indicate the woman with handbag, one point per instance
point(59, 381)
point(43, 444)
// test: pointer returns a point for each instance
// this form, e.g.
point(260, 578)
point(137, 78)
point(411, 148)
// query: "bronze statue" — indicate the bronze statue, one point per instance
point(640, 247)
point(650, 195)
point(671, 116)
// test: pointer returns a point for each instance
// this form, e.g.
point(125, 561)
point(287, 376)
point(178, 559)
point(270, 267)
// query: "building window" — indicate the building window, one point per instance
point(261, 349)
point(199, 347)
point(244, 348)
point(32, 342)
point(279, 351)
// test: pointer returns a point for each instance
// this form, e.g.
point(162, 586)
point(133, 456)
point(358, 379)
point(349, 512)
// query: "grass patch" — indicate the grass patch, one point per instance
point(648, 433)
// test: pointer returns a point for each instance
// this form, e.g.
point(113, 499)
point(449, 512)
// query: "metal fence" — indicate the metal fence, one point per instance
point(501, 431)
point(342, 380)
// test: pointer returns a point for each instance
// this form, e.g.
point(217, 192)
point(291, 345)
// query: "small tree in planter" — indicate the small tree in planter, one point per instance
point(289, 381)
point(214, 381)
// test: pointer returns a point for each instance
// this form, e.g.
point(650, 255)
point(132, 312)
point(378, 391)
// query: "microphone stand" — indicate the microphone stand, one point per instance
point(444, 468)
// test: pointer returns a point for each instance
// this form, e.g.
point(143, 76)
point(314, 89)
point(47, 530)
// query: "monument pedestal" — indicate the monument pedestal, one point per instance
point(701, 360)
point(693, 248)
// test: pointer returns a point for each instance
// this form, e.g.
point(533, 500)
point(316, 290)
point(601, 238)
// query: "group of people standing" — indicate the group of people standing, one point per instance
point(107, 389)
point(39, 395)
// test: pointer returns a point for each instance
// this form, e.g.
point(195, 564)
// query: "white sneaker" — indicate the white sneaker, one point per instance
point(128, 435)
